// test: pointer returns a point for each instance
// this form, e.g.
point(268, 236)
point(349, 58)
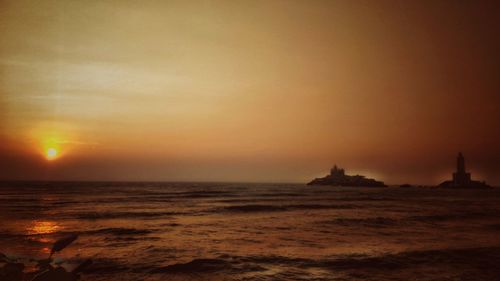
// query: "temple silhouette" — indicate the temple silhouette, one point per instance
point(337, 177)
point(462, 179)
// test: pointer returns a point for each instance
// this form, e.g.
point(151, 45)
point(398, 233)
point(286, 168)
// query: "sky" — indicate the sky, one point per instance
point(259, 91)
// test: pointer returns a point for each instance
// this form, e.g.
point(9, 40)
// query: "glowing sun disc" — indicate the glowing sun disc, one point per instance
point(51, 153)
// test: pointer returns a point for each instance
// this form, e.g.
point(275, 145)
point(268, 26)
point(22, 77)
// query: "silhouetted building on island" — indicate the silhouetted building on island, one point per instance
point(462, 179)
point(337, 177)
point(337, 172)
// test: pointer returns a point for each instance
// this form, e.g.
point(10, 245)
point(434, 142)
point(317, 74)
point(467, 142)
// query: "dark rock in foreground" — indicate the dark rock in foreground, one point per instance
point(337, 177)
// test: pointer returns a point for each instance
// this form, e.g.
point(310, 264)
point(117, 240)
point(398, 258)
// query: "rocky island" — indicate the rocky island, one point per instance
point(337, 177)
point(462, 179)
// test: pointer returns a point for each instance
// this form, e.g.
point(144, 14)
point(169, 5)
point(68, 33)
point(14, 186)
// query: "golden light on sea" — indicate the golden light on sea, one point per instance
point(38, 231)
point(42, 227)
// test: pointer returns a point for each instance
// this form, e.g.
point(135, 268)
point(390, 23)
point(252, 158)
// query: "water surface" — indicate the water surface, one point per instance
point(204, 231)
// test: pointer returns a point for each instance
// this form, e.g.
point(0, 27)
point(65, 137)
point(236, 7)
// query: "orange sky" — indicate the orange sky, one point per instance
point(248, 90)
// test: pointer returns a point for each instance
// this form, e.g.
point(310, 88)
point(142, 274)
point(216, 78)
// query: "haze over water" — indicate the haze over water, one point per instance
point(208, 231)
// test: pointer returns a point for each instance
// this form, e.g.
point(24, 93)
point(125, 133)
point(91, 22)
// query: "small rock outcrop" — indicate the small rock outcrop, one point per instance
point(337, 177)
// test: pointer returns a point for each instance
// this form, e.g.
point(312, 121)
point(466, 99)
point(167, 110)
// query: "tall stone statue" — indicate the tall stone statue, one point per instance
point(462, 179)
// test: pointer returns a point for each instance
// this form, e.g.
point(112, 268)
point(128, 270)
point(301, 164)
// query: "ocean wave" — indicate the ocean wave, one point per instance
point(481, 262)
point(366, 222)
point(453, 216)
point(196, 265)
point(118, 241)
point(281, 194)
point(479, 258)
point(118, 231)
point(364, 198)
point(121, 215)
point(387, 222)
point(493, 226)
point(104, 266)
point(276, 208)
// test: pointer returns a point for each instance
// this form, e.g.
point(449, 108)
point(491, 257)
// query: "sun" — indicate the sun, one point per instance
point(51, 153)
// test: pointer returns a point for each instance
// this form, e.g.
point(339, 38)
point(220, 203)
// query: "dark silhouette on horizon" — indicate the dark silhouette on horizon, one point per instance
point(462, 179)
point(337, 177)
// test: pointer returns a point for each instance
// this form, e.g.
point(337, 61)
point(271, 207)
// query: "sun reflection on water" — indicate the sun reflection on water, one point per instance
point(42, 227)
point(39, 229)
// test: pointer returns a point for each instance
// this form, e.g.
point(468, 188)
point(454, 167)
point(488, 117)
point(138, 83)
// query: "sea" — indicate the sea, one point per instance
point(243, 231)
